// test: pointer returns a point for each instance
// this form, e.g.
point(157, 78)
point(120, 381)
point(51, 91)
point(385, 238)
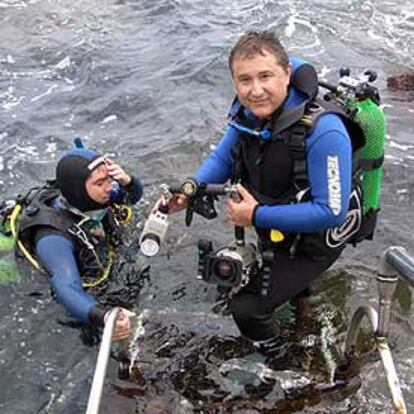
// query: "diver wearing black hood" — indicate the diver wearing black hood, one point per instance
point(63, 225)
point(72, 185)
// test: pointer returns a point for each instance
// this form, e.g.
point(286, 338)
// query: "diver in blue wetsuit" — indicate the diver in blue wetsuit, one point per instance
point(298, 184)
point(72, 228)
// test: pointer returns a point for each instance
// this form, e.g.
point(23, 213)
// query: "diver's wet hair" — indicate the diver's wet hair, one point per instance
point(256, 42)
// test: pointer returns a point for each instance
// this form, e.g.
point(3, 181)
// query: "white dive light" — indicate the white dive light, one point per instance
point(153, 234)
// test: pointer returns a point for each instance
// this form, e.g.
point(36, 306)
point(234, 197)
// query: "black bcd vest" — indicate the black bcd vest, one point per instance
point(38, 213)
point(275, 171)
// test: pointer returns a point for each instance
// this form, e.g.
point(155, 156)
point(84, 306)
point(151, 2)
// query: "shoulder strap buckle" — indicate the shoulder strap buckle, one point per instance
point(81, 235)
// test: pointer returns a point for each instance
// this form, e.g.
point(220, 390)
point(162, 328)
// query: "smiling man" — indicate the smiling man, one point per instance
point(261, 83)
point(72, 229)
point(295, 178)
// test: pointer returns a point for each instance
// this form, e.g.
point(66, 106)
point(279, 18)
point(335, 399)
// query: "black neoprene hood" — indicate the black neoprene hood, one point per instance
point(72, 171)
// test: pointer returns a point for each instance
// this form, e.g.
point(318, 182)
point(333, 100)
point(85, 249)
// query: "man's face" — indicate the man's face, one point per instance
point(99, 185)
point(260, 83)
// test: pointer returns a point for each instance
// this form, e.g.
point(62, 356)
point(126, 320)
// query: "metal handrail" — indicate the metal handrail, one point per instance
point(396, 258)
point(356, 321)
point(383, 349)
point(395, 262)
point(95, 394)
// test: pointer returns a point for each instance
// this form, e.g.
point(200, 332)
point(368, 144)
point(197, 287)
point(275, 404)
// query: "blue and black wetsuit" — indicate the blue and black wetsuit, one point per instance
point(58, 254)
point(269, 176)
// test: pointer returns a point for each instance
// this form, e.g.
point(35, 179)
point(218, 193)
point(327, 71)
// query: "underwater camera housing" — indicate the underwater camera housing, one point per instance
point(231, 266)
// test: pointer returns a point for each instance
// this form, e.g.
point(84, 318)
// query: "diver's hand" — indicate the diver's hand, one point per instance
point(117, 173)
point(178, 202)
point(161, 202)
point(240, 213)
point(123, 325)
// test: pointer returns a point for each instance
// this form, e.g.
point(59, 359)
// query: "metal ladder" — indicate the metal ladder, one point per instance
point(394, 262)
point(95, 394)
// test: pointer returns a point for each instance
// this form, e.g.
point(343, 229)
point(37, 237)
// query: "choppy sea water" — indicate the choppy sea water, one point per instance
point(148, 83)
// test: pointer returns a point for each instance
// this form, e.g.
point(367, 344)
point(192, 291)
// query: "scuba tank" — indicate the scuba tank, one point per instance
point(6, 242)
point(9, 272)
point(371, 119)
point(8, 269)
point(361, 100)
point(6, 237)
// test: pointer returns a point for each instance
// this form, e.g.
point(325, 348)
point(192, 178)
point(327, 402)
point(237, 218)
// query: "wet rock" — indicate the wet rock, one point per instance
point(402, 81)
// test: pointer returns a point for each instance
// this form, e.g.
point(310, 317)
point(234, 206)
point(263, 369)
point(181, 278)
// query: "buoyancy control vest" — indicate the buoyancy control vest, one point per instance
point(270, 160)
point(94, 252)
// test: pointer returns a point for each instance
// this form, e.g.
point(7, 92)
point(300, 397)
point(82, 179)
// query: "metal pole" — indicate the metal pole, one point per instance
point(101, 364)
point(391, 376)
point(386, 288)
